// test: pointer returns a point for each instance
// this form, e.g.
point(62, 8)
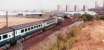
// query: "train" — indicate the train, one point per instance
point(79, 13)
point(10, 35)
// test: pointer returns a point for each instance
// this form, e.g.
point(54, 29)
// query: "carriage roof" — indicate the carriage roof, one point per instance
point(17, 27)
point(5, 30)
point(29, 24)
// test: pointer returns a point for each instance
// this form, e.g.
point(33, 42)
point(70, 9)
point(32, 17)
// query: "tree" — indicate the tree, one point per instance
point(87, 17)
point(101, 17)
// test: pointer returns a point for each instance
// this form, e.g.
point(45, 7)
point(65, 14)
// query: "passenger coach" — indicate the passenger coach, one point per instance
point(10, 35)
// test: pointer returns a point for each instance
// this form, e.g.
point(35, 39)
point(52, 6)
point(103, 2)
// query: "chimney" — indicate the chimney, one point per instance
point(84, 8)
point(75, 7)
point(103, 4)
point(66, 7)
point(58, 7)
point(96, 5)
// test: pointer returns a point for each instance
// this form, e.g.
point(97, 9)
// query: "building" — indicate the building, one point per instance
point(99, 10)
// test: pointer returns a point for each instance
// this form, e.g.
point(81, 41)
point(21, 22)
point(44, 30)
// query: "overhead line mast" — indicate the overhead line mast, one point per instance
point(6, 18)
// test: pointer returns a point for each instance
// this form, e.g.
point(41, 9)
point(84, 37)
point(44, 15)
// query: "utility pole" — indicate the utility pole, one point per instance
point(6, 18)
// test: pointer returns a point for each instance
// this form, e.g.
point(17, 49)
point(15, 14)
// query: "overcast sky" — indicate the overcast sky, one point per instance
point(44, 4)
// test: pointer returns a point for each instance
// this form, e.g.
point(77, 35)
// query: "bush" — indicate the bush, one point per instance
point(87, 17)
point(102, 17)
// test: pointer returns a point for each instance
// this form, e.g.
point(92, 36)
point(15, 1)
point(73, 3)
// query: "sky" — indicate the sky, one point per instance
point(45, 4)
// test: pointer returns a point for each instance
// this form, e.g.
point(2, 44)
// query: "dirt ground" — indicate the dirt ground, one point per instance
point(17, 20)
point(91, 37)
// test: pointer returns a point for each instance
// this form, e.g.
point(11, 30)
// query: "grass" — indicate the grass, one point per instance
point(67, 43)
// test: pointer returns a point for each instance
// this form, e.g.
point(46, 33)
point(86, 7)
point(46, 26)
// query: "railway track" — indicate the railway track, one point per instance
point(36, 39)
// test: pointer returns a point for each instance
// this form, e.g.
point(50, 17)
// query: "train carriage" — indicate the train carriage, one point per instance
point(12, 34)
point(6, 35)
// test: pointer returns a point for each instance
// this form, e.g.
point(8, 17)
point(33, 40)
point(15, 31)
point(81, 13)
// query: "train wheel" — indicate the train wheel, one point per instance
point(13, 42)
point(23, 39)
point(6, 46)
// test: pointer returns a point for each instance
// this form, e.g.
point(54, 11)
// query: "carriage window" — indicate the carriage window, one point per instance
point(39, 25)
point(48, 22)
point(22, 31)
point(0, 37)
point(5, 36)
point(9, 35)
point(28, 28)
point(34, 26)
point(31, 27)
point(25, 30)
